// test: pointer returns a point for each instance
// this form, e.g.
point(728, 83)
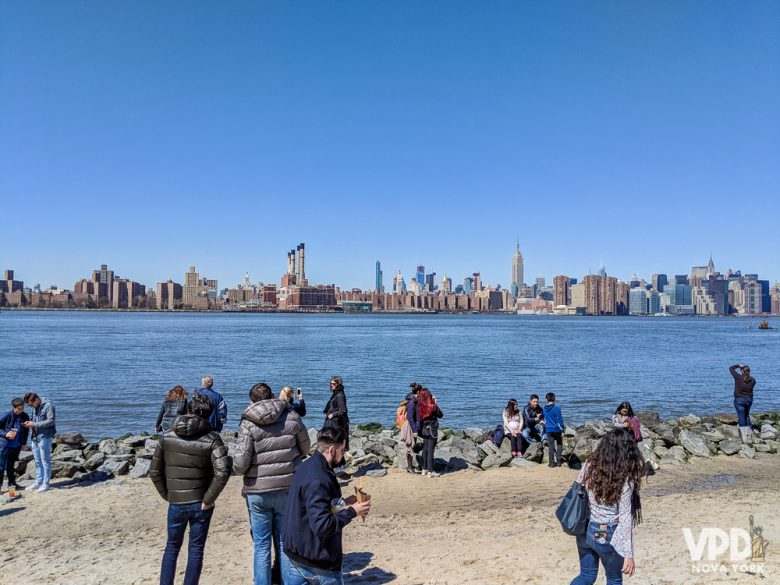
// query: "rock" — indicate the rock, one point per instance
point(151, 444)
point(371, 428)
point(93, 476)
point(689, 420)
point(535, 453)
point(726, 419)
point(70, 455)
point(762, 448)
point(694, 443)
point(140, 469)
point(666, 433)
point(115, 467)
point(729, 446)
point(648, 418)
point(522, 463)
point(728, 431)
point(768, 432)
point(134, 441)
point(376, 472)
point(660, 451)
point(647, 451)
point(128, 458)
point(109, 447)
point(678, 454)
point(95, 461)
point(774, 446)
point(714, 435)
point(496, 460)
point(747, 452)
point(475, 434)
point(569, 432)
point(584, 447)
point(146, 454)
point(489, 448)
point(71, 438)
point(68, 469)
point(25, 456)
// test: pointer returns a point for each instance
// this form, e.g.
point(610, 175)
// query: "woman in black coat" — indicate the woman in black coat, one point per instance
point(336, 414)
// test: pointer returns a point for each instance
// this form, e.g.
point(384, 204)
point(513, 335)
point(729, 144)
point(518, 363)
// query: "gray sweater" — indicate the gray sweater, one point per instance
point(43, 420)
point(272, 441)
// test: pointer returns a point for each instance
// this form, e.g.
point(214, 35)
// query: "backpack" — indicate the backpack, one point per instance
point(400, 416)
point(498, 435)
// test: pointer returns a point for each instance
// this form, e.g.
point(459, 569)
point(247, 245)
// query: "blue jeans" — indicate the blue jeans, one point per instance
point(591, 552)
point(743, 405)
point(41, 448)
point(299, 574)
point(527, 433)
point(179, 515)
point(266, 516)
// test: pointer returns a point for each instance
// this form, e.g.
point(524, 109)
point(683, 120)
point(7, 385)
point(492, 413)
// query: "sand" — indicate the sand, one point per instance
point(468, 527)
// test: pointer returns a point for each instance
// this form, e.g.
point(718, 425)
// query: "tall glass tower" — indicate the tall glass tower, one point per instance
point(378, 286)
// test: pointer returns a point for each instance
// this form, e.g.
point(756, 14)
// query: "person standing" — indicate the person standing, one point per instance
point(175, 404)
point(219, 410)
point(429, 415)
point(336, 413)
point(743, 399)
point(533, 420)
point(44, 427)
point(13, 435)
point(410, 434)
point(513, 427)
point(288, 395)
point(554, 428)
point(272, 441)
point(612, 476)
point(189, 469)
point(316, 515)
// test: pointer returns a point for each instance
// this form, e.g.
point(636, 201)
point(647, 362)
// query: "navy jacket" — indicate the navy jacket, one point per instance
point(411, 413)
point(553, 418)
point(312, 527)
point(218, 414)
point(529, 414)
point(12, 421)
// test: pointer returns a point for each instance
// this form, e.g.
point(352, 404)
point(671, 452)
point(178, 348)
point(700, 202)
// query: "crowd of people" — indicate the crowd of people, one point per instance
point(295, 506)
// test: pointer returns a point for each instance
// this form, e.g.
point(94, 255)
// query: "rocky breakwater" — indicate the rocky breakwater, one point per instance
point(373, 448)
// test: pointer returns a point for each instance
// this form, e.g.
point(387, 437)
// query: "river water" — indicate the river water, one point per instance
point(107, 373)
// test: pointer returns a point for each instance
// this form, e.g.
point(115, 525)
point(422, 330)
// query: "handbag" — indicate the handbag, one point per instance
point(574, 511)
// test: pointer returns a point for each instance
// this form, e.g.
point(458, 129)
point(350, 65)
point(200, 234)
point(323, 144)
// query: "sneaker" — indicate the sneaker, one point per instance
point(33, 487)
point(43, 488)
point(433, 474)
point(425, 472)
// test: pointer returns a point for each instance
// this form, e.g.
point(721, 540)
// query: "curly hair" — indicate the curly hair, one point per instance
point(617, 459)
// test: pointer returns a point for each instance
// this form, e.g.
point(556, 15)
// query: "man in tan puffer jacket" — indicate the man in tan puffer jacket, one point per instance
point(272, 441)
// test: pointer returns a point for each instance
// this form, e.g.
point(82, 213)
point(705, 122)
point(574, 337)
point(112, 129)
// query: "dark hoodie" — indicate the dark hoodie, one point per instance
point(272, 441)
point(411, 413)
point(190, 464)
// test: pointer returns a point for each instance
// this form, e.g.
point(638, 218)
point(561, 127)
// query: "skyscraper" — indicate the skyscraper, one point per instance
point(561, 290)
point(659, 282)
point(378, 286)
point(517, 270)
point(420, 276)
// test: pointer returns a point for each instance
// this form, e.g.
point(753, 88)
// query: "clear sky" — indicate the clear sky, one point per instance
point(154, 135)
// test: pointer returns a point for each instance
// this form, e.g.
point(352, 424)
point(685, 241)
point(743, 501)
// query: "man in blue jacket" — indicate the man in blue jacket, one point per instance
point(13, 435)
point(316, 514)
point(43, 428)
point(219, 406)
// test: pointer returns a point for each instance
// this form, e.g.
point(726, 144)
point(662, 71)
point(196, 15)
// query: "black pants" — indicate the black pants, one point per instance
point(555, 447)
point(429, 445)
point(516, 442)
point(12, 456)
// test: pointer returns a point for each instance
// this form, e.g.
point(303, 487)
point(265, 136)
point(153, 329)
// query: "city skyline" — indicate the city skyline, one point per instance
point(628, 131)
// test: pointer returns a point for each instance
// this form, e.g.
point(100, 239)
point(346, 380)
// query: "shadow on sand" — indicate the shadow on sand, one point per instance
point(356, 569)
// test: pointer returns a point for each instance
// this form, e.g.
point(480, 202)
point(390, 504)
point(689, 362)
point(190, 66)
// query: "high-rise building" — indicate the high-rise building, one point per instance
point(446, 284)
point(430, 282)
point(517, 271)
point(197, 291)
point(680, 279)
point(637, 301)
point(420, 275)
point(468, 284)
point(378, 286)
point(169, 295)
point(659, 282)
point(126, 293)
point(561, 290)
point(578, 299)
point(476, 282)
point(105, 278)
point(9, 285)
point(541, 283)
point(679, 294)
point(399, 283)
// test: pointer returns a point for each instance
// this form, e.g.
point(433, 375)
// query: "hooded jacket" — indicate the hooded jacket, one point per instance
point(553, 418)
point(411, 412)
point(13, 422)
point(190, 463)
point(43, 419)
point(272, 441)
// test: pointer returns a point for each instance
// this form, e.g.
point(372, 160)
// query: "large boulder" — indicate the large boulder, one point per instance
point(69, 455)
point(489, 448)
point(64, 469)
point(648, 418)
point(768, 432)
point(71, 438)
point(93, 476)
point(95, 461)
point(110, 447)
point(535, 453)
point(747, 452)
point(140, 469)
point(115, 467)
point(135, 441)
point(694, 444)
point(729, 446)
point(522, 463)
point(729, 431)
point(726, 419)
point(496, 460)
point(678, 454)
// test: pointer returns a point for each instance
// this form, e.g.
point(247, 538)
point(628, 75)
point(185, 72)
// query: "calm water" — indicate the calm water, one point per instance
point(107, 373)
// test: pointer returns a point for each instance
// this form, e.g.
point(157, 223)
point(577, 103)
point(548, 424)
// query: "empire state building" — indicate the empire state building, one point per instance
point(517, 270)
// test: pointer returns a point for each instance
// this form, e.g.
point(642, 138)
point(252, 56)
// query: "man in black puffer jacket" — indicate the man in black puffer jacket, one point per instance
point(189, 468)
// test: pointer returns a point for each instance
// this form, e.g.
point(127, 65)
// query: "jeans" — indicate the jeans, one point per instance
point(266, 517)
point(539, 431)
point(555, 448)
point(591, 552)
point(429, 446)
point(41, 448)
point(743, 405)
point(179, 515)
point(303, 575)
point(516, 442)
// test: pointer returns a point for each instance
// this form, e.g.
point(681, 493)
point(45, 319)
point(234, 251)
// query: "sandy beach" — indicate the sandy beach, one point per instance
point(468, 527)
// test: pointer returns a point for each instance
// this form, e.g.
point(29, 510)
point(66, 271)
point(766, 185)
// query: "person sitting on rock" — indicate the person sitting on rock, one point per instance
point(513, 427)
point(189, 469)
point(624, 418)
point(174, 405)
point(533, 421)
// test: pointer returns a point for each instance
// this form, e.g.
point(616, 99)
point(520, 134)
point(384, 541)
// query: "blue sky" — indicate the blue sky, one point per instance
point(155, 135)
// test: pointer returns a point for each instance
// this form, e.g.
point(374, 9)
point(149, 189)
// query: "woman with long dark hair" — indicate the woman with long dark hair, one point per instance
point(513, 427)
point(175, 404)
point(624, 418)
point(336, 414)
point(612, 476)
point(429, 415)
